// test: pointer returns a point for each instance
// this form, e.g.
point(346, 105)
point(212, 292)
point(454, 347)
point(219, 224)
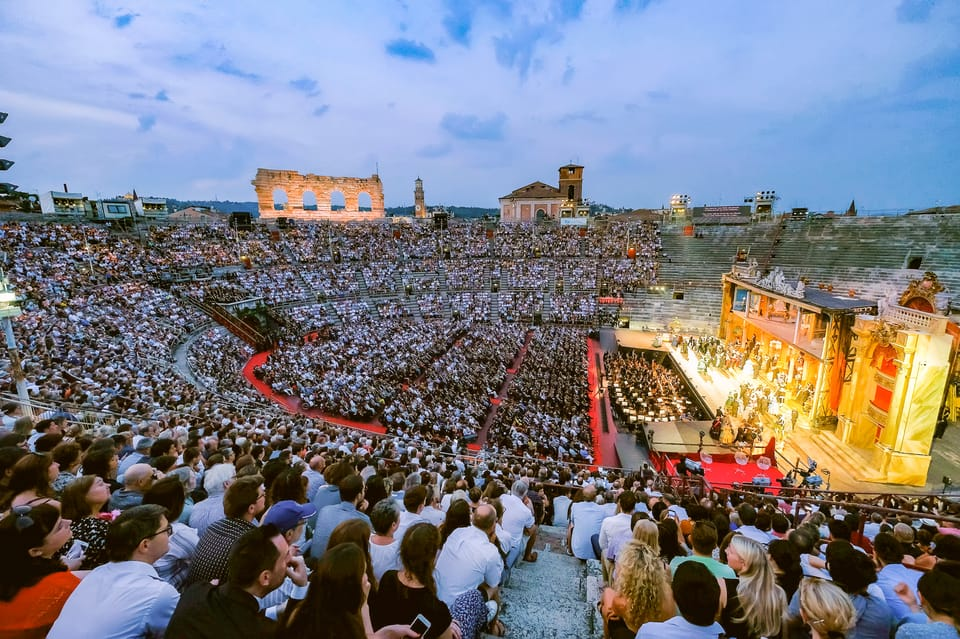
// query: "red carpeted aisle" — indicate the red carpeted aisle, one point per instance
point(605, 451)
point(292, 404)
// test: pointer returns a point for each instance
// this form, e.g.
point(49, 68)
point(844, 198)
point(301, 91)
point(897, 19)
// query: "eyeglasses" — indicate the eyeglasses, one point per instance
point(168, 530)
point(23, 517)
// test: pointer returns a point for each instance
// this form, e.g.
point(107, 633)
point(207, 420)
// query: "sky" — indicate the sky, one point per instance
point(822, 101)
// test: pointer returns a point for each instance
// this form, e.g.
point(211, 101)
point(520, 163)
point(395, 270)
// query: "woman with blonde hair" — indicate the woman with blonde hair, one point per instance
point(647, 532)
point(753, 605)
point(826, 608)
point(641, 591)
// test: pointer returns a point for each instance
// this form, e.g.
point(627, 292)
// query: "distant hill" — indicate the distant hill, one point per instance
point(229, 206)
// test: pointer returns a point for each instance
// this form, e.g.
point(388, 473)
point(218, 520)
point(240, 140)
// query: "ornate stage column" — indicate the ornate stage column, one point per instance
point(914, 407)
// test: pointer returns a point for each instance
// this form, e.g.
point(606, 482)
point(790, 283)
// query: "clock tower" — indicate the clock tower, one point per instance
point(419, 208)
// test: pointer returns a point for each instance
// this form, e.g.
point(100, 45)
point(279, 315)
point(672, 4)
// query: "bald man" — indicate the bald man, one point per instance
point(136, 481)
point(470, 558)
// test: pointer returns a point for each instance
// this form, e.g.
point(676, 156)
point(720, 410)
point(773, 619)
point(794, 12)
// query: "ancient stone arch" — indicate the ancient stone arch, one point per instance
point(294, 184)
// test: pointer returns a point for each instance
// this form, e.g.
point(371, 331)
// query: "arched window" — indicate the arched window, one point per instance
point(570, 192)
point(365, 202)
point(337, 201)
point(309, 201)
point(279, 199)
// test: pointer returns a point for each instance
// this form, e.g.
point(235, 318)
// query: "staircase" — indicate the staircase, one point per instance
point(240, 329)
point(555, 597)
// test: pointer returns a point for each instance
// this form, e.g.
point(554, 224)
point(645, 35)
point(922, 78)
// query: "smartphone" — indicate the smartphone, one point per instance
point(420, 625)
point(77, 550)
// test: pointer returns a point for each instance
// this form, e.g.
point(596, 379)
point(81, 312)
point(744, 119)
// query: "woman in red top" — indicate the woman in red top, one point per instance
point(33, 585)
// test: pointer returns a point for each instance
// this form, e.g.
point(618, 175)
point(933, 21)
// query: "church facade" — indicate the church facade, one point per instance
point(539, 201)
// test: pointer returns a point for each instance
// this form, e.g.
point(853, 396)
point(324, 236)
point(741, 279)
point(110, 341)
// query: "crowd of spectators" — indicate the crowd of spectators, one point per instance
point(471, 305)
point(517, 306)
point(157, 485)
point(571, 308)
point(465, 274)
point(546, 412)
point(536, 275)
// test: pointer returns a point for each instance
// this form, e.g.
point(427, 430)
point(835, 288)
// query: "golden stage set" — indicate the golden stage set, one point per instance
point(878, 373)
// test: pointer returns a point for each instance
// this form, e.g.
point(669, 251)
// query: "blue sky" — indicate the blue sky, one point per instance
point(823, 101)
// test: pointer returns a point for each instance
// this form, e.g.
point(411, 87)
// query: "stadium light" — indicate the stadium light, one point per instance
point(7, 188)
point(5, 164)
point(3, 117)
point(4, 141)
point(10, 308)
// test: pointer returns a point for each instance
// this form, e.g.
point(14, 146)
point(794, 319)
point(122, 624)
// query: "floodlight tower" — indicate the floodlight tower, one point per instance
point(679, 207)
point(10, 308)
point(763, 203)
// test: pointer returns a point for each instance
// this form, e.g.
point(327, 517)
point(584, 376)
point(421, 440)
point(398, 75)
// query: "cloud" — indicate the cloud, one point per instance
point(471, 127)
point(124, 20)
point(434, 150)
point(568, 74)
point(228, 68)
point(306, 85)
point(458, 21)
point(515, 50)
point(581, 116)
point(410, 50)
point(162, 96)
point(658, 96)
point(623, 6)
point(567, 10)
point(914, 10)
point(146, 122)
point(137, 96)
point(321, 110)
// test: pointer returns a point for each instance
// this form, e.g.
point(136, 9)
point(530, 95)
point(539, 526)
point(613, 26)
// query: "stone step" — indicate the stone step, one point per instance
point(555, 596)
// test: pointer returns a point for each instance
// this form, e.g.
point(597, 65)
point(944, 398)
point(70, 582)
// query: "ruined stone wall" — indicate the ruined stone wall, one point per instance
point(323, 186)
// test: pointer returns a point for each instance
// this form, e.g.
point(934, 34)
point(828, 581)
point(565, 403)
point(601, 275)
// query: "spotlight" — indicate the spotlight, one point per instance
point(3, 117)
point(4, 141)
point(5, 164)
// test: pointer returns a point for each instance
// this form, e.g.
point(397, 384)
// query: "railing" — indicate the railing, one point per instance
point(914, 318)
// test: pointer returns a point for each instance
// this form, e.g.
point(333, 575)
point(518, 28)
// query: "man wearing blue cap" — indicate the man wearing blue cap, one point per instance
point(290, 518)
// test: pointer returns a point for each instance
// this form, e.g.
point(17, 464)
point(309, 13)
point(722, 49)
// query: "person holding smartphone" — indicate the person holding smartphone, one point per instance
point(411, 592)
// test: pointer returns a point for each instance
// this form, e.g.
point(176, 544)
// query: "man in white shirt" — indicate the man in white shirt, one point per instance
point(314, 475)
point(210, 510)
point(616, 526)
point(561, 504)
point(124, 598)
point(470, 558)
point(518, 519)
point(748, 517)
point(431, 512)
point(586, 517)
point(674, 507)
point(414, 500)
point(872, 527)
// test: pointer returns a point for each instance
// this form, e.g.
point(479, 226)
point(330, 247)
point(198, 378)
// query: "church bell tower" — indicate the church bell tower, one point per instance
point(419, 208)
